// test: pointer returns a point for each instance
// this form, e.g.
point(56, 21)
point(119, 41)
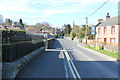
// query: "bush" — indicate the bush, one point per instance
point(67, 35)
point(57, 35)
point(72, 34)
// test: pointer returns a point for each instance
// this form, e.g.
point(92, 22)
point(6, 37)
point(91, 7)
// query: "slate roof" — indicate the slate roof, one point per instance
point(110, 22)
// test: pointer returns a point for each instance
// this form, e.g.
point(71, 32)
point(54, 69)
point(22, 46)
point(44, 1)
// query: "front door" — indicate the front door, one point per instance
point(105, 40)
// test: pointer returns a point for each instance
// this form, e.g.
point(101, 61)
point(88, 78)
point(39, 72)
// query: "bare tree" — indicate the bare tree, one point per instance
point(8, 23)
point(1, 19)
point(43, 26)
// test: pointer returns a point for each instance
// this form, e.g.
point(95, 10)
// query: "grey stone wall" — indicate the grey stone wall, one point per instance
point(112, 48)
point(11, 69)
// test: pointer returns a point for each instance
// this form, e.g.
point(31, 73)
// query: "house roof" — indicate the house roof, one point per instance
point(110, 22)
point(15, 28)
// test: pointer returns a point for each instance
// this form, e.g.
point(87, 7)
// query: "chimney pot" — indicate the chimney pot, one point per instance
point(107, 16)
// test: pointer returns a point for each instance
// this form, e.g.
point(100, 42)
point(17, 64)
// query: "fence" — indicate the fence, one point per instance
point(15, 47)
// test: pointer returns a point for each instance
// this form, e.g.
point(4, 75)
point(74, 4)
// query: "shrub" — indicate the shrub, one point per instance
point(72, 34)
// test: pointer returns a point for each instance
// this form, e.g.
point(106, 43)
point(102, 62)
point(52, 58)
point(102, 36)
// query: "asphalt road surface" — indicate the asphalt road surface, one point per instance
point(65, 59)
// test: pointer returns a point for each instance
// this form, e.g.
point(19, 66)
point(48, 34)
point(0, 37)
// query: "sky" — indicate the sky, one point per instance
point(57, 12)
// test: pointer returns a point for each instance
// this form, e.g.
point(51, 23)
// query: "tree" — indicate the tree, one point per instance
point(67, 28)
point(8, 23)
point(83, 27)
point(46, 24)
point(21, 25)
point(15, 24)
point(72, 34)
point(43, 26)
point(90, 36)
point(21, 22)
point(1, 19)
point(77, 30)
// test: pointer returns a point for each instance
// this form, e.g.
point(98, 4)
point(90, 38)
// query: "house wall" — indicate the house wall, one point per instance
point(108, 35)
point(119, 35)
point(119, 40)
point(114, 47)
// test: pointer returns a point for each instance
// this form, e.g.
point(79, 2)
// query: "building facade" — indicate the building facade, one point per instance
point(108, 33)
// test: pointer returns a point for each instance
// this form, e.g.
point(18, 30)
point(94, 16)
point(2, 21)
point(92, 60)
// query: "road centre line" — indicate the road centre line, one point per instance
point(71, 65)
point(75, 69)
point(69, 59)
point(65, 66)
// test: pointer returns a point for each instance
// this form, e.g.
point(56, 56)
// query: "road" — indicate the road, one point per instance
point(65, 59)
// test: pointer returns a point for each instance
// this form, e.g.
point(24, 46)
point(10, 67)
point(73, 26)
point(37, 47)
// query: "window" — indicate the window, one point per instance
point(105, 30)
point(112, 40)
point(112, 29)
point(98, 30)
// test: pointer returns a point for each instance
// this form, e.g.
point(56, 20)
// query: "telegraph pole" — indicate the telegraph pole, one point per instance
point(86, 36)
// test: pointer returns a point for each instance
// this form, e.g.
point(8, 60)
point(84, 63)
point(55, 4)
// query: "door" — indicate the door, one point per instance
point(105, 40)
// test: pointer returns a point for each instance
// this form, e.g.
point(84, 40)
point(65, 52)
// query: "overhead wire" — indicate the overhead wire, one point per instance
point(94, 11)
point(88, 15)
point(98, 8)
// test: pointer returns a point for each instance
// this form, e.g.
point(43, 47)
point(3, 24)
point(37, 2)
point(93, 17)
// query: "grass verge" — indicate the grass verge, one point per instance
point(114, 55)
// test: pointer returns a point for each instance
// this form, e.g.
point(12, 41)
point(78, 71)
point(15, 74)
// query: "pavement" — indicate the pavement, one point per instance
point(76, 60)
point(48, 64)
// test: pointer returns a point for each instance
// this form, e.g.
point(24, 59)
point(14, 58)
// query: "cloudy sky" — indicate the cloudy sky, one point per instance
point(57, 12)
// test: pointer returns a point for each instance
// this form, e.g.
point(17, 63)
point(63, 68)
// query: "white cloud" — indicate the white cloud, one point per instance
point(23, 5)
point(59, 3)
point(14, 5)
point(14, 8)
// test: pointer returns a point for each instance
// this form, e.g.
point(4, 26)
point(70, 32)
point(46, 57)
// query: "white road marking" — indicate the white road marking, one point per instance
point(68, 59)
point(78, 75)
point(66, 70)
point(98, 64)
point(75, 76)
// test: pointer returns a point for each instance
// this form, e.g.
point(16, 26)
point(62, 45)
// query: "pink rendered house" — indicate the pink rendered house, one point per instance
point(108, 33)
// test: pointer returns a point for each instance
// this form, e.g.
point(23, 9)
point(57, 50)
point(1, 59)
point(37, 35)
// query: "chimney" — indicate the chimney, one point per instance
point(107, 16)
point(100, 20)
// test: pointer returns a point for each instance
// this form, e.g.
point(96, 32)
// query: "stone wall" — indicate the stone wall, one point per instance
point(112, 48)
point(11, 69)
